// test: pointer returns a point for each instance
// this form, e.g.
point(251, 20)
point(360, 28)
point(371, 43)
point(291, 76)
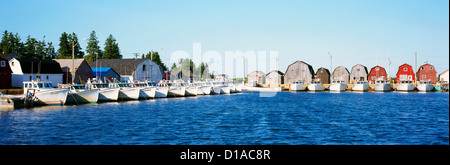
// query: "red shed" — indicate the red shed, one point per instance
point(166, 76)
point(405, 72)
point(5, 74)
point(377, 72)
point(427, 72)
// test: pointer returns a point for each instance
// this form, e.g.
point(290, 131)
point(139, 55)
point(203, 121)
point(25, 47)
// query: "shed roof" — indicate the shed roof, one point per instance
point(67, 64)
point(311, 70)
point(121, 66)
point(42, 66)
point(277, 71)
point(100, 71)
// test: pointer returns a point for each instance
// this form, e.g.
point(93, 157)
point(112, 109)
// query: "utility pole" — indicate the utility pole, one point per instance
point(73, 61)
point(136, 55)
point(151, 55)
point(415, 69)
point(389, 69)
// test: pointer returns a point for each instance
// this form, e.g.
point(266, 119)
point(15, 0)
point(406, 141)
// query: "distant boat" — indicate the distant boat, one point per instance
point(361, 86)
point(79, 94)
point(224, 88)
point(105, 94)
point(425, 86)
point(202, 88)
point(338, 85)
point(145, 91)
point(215, 89)
point(382, 86)
point(316, 85)
point(175, 89)
point(298, 86)
point(406, 86)
point(441, 86)
point(44, 93)
point(126, 92)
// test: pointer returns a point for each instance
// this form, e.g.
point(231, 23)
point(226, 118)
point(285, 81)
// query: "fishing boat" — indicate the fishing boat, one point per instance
point(382, 86)
point(406, 86)
point(191, 90)
point(239, 87)
point(215, 89)
point(298, 86)
point(441, 86)
point(338, 85)
point(202, 88)
point(316, 85)
point(361, 86)
point(175, 89)
point(232, 86)
point(425, 86)
point(105, 94)
point(224, 88)
point(126, 92)
point(145, 91)
point(43, 93)
point(160, 91)
point(79, 94)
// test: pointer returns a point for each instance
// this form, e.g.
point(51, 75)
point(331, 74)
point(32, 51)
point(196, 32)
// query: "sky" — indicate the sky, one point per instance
point(353, 31)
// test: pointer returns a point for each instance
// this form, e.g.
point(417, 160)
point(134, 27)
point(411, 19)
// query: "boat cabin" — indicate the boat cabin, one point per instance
point(298, 82)
point(36, 85)
point(119, 85)
point(382, 82)
point(406, 81)
point(362, 82)
point(424, 82)
point(338, 82)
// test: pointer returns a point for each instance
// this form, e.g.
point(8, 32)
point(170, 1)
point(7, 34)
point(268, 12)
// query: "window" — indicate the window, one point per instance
point(47, 77)
point(374, 77)
point(357, 70)
point(431, 68)
point(405, 69)
point(409, 77)
point(377, 69)
point(143, 67)
point(12, 63)
point(424, 76)
point(31, 78)
point(421, 68)
point(3, 64)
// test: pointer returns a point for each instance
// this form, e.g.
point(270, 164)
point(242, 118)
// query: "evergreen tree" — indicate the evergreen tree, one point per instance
point(11, 43)
point(50, 51)
point(73, 41)
point(93, 50)
point(112, 50)
point(65, 48)
point(156, 59)
point(30, 48)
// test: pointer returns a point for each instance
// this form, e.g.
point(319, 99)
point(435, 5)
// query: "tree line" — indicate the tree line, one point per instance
point(33, 48)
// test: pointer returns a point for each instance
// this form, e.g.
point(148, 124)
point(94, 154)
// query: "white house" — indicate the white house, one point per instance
point(133, 70)
point(444, 76)
point(27, 70)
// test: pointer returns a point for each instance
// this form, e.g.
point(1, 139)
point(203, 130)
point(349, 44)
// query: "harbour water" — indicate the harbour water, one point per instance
point(293, 118)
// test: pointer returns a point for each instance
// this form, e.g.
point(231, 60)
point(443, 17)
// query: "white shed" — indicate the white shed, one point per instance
point(27, 70)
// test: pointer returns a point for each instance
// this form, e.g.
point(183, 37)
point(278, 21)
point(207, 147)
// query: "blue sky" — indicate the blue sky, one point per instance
point(353, 31)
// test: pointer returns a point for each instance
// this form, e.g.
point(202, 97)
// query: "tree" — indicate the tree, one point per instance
point(112, 50)
point(156, 58)
point(73, 41)
point(11, 43)
point(93, 50)
point(30, 48)
point(50, 51)
point(65, 48)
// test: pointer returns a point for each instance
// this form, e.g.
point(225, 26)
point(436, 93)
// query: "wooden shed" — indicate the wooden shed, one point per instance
point(341, 73)
point(298, 71)
point(358, 73)
point(5, 74)
point(323, 74)
point(444, 76)
point(377, 73)
point(256, 76)
point(105, 74)
point(427, 72)
point(27, 70)
point(133, 70)
point(405, 72)
point(83, 71)
point(275, 77)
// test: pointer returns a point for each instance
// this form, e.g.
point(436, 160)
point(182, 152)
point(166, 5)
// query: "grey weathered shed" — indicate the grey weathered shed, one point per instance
point(359, 73)
point(275, 77)
point(340, 73)
point(82, 70)
point(324, 75)
point(297, 71)
point(256, 76)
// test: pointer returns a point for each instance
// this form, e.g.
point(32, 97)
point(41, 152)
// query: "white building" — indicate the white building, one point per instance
point(444, 76)
point(133, 70)
point(27, 70)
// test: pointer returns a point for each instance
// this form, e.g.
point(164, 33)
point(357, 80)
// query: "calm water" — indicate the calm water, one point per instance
point(288, 118)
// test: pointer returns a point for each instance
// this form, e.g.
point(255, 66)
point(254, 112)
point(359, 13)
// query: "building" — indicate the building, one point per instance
point(358, 73)
point(256, 76)
point(275, 77)
point(298, 71)
point(427, 72)
point(444, 76)
point(8, 56)
point(133, 70)
point(324, 75)
point(27, 70)
point(105, 74)
point(341, 73)
point(83, 71)
point(405, 72)
point(5, 74)
point(377, 73)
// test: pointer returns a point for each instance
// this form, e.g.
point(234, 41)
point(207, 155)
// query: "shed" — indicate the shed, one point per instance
point(256, 76)
point(298, 71)
point(5, 74)
point(133, 70)
point(275, 77)
point(341, 73)
point(405, 72)
point(443, 76)
point(83, 71)
point(377, 73)
point(358, 73)
point(28, 69)
point(324, 75)
point(426, 72)
point(105, 73)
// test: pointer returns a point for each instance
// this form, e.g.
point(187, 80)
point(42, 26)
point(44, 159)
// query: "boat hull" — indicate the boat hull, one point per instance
point(161, 92)
point(297, 87)
point(108, 94)
point(176, 91)
point(361, 87)
point(382, 87)
point(51, 96)
point(204, 90)
point(316, 87)
point(224, 90)
point(129, 94)
point(406, 87)
point(338, 87)
point(83, 97)
point(425, 87)
point(147, 93)
point(191, 91)
point(216, 90)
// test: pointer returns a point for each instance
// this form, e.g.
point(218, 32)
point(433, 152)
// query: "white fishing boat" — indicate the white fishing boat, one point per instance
point(145, 92)
point(382, 86)
point(79, 94)
point(338, 85)
point(298, 86)
point(202, 88)
point(105, 94)
point(191, 90)
point(406, 86)
point(160, 91)
point(224, 88)
point(361, 86)
point(126, 92)
point(232, 86)
point(174, 89)
point(215, 89)
point(239, 87)
point(44, 93)
point(425, 86)
point(316, 85)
